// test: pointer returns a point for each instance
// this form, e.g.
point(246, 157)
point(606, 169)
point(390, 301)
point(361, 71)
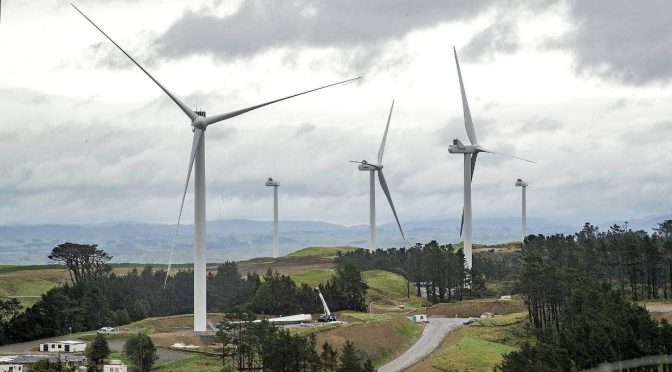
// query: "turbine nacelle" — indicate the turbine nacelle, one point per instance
point(365, 166)
point(459, 148)
point(521, 183)
point(270, 182)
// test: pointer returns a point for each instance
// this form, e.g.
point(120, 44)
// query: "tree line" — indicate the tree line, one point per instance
point(97, 297)
point(436, 270)
point(579, 291)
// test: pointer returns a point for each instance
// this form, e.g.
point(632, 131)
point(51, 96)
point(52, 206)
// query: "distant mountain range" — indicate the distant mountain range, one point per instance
point(244, 239)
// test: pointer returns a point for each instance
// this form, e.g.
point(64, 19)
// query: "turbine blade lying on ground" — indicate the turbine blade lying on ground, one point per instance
point(217, 118)
point(383, 184)
point(198, 135)
point(382, 143)
point(192, 115)
point(468, 123)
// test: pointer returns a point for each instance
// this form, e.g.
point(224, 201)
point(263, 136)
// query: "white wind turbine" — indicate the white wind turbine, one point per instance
point(522, 184)
point(470, 153)
point(372, 169)
point(199, 123)
point(275, 184)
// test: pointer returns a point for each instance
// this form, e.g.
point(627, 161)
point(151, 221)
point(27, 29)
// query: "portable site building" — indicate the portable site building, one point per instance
point(67, 346)
point(11, 368)
point(115, 366)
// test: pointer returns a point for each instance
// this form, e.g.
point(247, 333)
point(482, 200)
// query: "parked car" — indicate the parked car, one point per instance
point(105, 330)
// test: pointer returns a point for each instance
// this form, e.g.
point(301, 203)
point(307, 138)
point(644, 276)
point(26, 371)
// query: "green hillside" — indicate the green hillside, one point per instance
point(321, 251)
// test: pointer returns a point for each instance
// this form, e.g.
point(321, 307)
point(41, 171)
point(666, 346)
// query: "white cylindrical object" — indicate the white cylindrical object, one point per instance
point(524, 222)
point(467, 209)
point(199, 239)
point(276, 249)
point(372, 211)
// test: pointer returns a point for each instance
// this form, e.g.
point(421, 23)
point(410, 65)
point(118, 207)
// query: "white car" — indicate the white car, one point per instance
point(105, 330)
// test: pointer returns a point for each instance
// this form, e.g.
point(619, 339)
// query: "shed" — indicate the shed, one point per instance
point(115, 365)
point(419, 318)
point(67, 346)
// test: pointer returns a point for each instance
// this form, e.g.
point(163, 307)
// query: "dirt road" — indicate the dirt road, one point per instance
point(431, 337)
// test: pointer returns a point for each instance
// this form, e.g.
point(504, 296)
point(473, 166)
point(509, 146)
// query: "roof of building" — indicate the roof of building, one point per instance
point(30, 359)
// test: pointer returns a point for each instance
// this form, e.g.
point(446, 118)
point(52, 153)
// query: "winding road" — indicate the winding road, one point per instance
point(431, 337)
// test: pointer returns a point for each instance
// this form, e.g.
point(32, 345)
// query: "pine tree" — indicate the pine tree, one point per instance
point(98, 349)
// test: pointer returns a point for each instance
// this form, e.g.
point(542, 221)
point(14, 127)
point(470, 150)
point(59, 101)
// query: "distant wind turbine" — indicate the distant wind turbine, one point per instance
point(372, 169)
point(199, 123)
point(470, 153)
point(522, 184)
point(275, 184)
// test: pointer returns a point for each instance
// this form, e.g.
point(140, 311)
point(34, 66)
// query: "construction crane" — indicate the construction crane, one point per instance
point(327, 316)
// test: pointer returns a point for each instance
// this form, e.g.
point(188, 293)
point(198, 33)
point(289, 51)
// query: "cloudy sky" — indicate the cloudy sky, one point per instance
point(582, 87)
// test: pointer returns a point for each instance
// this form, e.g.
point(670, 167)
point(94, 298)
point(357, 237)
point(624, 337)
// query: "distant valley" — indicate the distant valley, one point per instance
point(240, 239)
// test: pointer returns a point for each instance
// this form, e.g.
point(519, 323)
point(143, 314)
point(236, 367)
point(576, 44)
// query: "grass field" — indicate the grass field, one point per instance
point(197, 362)
point(321, 251)
point(312, 277)
point(478, 347)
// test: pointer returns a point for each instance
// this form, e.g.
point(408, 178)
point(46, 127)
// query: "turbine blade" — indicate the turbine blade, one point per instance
point(468, 124)
point(198, 135)
point(383, 184)
point(382, 143)
point(192, 115)
point(511, 156)
point(471, 180)
point(217, 118)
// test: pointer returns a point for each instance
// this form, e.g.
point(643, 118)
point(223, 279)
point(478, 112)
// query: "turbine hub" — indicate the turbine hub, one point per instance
point(199, 123)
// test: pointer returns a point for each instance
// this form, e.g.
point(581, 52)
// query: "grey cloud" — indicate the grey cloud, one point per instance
point(500, 37)
point(305, 129)
point(541, 124)
point(262, 25)
point(622, 40)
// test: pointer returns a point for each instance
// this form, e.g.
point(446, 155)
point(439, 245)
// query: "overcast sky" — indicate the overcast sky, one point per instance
point(582, 87)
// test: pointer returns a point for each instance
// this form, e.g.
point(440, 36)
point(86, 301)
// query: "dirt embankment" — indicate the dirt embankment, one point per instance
point(285, 265)
point(475, 308)
point(380, 340)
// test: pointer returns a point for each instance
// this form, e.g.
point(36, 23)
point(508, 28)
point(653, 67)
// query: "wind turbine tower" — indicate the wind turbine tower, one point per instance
point(275, 184)
point(522, 184)
point(470, 153)
point(372, 169)
point(199, 122)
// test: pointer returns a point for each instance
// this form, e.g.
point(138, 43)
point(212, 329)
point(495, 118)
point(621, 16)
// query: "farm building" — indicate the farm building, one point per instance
point(115, 366)
point(68, 346)
point(25, 361)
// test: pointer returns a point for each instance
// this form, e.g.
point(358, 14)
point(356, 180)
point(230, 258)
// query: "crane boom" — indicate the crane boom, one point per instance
point(327, 316)
point(324, 303)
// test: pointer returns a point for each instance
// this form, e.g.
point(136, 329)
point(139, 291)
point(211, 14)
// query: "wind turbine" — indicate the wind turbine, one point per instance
point(372, 169)
point(522, 184)
point(199, 123)
point(470, 153)
point(275, 184)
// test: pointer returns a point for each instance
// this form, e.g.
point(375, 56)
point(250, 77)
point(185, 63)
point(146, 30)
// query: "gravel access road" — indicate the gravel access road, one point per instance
point(431, 337)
